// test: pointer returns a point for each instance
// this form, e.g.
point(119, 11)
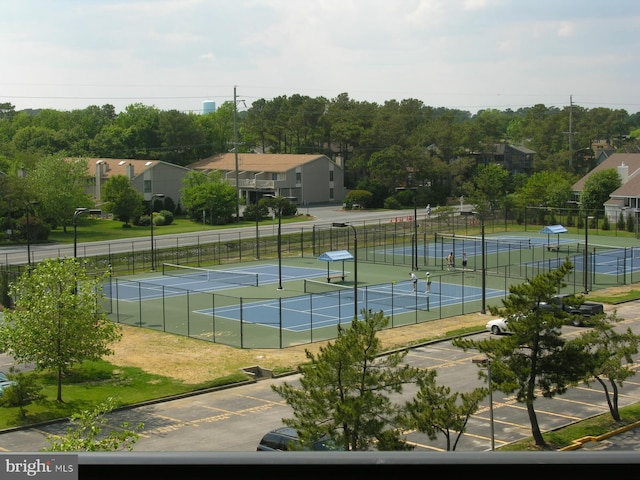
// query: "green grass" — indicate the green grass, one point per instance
point(616, 299)
point(102, 230)
point(90, 383)
point(566, 437)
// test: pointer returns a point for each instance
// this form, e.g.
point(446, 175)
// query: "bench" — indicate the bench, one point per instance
point(553, 247)
point(336, 275)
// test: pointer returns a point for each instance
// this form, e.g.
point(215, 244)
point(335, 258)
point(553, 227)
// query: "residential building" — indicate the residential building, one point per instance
point(308, 178)
point(515, 159)
point(625, 199)
point(148, 177)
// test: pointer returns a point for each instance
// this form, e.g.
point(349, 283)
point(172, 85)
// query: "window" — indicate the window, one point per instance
point(298, 177)
point(147, 186)
point(331, 175)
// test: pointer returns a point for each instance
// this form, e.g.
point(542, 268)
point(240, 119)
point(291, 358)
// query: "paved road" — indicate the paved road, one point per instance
point(234, 419)
point(318, 216)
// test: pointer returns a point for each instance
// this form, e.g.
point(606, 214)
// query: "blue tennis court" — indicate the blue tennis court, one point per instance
point(609, 262)
point(473, 245)
point(336, 307)
point(163, 286)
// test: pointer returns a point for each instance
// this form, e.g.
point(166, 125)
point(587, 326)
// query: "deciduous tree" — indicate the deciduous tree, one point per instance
point(57, 321)
point(121, 199)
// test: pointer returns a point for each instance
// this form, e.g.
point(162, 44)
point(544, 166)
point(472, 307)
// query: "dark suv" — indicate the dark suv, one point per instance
point(286, 438)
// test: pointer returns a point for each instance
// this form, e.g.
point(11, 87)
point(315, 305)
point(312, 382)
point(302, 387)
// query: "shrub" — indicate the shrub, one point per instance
point(392, 203)
point(143, 221)
point(168, 217)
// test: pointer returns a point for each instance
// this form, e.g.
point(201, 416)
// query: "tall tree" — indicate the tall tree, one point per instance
point(344, 390)
point(121, 199)
point(59, 186)
point(597, 188)
point(610, 358)
point(209, 193)
point(57, 321)
point(535, 359)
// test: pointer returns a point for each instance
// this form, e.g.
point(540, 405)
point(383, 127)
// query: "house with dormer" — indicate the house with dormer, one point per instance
point(625, 199)
point(149, 177)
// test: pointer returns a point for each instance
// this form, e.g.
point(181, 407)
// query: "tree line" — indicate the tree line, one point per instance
point(434, 154)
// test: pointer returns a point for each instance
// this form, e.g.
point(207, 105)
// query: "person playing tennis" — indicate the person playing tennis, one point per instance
point(414, 281)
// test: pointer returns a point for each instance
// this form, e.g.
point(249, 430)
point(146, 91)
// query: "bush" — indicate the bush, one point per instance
point(168, 217)
point(170, 205)
point(143, 221)
point(251, 210)
point(158, 220)
point(392, 203)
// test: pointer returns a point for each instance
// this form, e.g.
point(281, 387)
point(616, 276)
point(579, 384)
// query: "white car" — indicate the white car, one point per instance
point(498, 326)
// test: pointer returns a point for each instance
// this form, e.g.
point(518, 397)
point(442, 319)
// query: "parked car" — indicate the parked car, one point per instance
point(5, 382)
point(498, 326)
point(286, 438)
point(579, 311)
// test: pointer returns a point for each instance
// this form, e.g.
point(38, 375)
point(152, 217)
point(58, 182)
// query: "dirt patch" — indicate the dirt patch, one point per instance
point(194, 361)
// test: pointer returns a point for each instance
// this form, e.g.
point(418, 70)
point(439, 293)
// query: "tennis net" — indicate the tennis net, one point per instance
point(327, 288)
point(469, 241)
point(392, 296)
point(370, 296)
point(210, 275)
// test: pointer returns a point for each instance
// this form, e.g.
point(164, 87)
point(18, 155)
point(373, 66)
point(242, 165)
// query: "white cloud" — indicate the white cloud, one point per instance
point(465, 54)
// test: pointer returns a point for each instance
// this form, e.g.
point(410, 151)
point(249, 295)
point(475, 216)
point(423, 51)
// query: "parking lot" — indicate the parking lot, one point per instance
point(234, 419)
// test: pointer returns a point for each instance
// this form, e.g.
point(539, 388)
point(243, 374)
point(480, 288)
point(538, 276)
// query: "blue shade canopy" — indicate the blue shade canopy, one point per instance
point(335, 256)
point(554, 229)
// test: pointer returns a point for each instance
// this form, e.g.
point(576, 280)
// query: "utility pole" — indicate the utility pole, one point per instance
point(235, 151)
point(570, 132)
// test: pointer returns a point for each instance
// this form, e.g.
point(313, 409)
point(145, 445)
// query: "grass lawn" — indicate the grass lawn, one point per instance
point(101, 230)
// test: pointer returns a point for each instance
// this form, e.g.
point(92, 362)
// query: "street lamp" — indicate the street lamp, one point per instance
point(483, 361)
point(355, 265)
point(153, 262)
point(28, 232)
point(276, 205)
point(414, 233)
point(79, 211)
point(483, 308)
point(585, 268)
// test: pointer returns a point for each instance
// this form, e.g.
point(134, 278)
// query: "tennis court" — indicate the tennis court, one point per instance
point(331, 304)
point(176, 280)
point(307, 303)
point(611, 261)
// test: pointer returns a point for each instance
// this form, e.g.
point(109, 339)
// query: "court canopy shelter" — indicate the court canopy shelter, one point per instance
point(335, 256)
point(553, 230)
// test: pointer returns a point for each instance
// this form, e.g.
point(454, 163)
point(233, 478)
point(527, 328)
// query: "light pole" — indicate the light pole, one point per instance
point(276, 205)
point(414, 229)
point(484, 267)
point(79, 211)
point(486, 362)
point(585, 269)
point(355, 265)
point(153, 261)
point(28, 232)
point(483, 308)
point(279, 247)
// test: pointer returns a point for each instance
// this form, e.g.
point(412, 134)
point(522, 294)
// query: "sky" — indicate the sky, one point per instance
point(461, 54)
